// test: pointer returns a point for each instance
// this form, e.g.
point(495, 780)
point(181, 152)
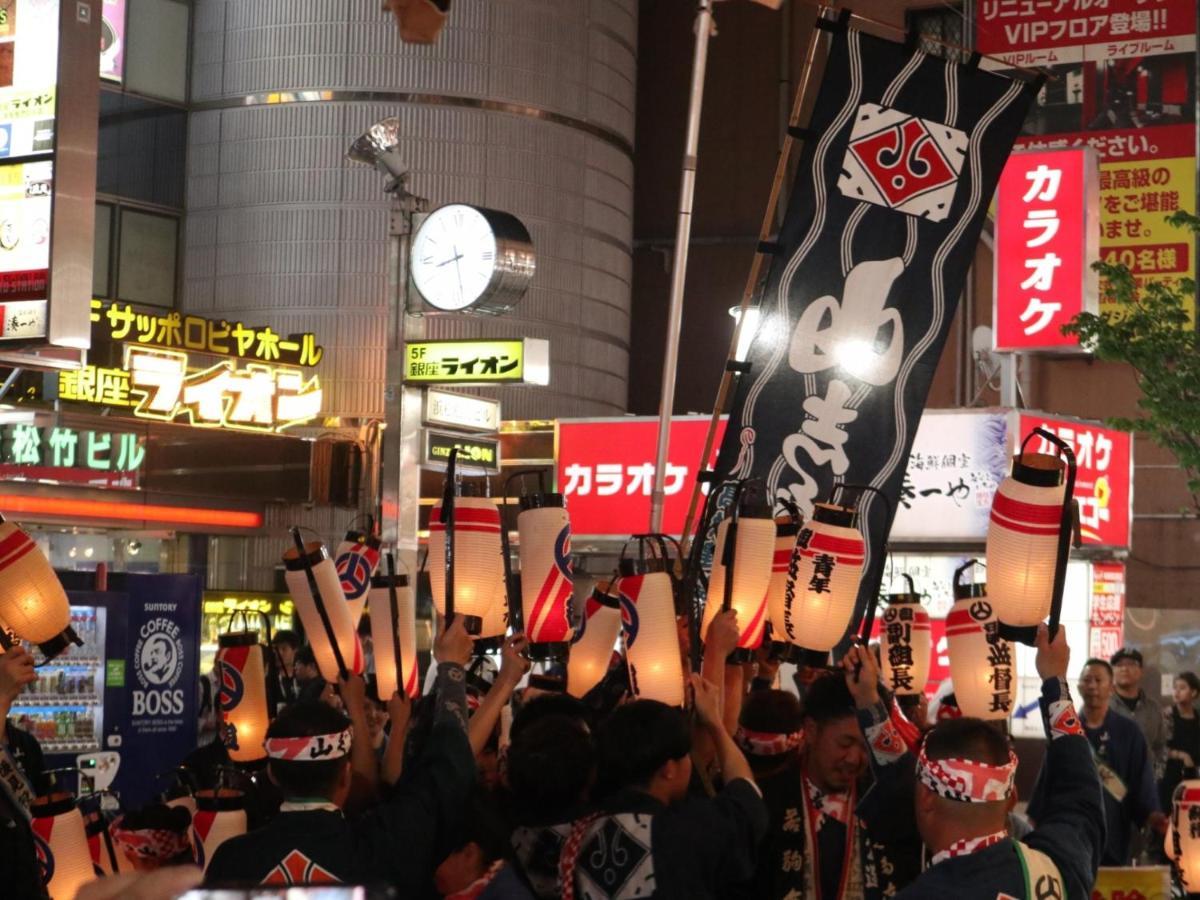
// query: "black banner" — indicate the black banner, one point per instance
point(891, 192)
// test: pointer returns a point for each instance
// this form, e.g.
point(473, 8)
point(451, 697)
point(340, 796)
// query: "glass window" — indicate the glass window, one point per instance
point(156, 58)
point(147, 258)
point(102, 251)
point(141, 150)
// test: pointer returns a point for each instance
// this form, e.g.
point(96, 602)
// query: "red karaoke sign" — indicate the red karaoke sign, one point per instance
point(1103, 485)
point(606, 472)
point(1047, 235)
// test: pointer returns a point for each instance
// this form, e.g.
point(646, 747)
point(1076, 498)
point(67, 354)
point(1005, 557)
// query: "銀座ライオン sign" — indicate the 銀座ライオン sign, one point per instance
point(516, 361)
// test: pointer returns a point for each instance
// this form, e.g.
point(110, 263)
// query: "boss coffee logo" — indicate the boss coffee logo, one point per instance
point(158, 657)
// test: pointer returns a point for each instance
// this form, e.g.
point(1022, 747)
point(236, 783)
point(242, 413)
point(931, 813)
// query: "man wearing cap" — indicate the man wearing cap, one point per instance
point(1129, 699)
point(965, 772)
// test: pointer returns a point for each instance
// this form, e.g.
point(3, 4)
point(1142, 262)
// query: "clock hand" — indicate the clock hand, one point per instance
point(450, 260)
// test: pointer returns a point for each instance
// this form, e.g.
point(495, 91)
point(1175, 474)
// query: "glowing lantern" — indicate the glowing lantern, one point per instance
point(476, 551)
point(242, 697)
point(750, 563)
point(61, 843)
point(1183, 839)
point(323, 611)
point(593, 643)
point(786, 530)
point(983, 665)
point(394, 631)
point(33, 604)
point(356, 561)
point(220, 814)
point(1029, 535)
point(651, 638)
point(495, 623)
point(546, 575)
point(820, 605)
point(905, 643)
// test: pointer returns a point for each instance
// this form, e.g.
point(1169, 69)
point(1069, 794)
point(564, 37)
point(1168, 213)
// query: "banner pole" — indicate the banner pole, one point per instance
point(683, 235)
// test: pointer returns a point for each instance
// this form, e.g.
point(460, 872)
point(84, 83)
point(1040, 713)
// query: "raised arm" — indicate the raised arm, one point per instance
point(708, 712)
point(363, 765)
point(513, 667)
point(400, 714)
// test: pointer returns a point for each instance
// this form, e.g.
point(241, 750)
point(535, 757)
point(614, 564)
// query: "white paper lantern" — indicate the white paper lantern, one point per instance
point(547, 581)
point(983, 666)
point(594, 641)
point(220, 815)
point(651, 637)
point(1023, 539)
point(905, 645)
point(1183, 841)
point(242, 696)
point(495, 622)
point(356, 561)
point(60, 841)
point(752, 563)
point(781, 564)
point(476, 549)
point(820, 601)
point(386, 631)
point(32, 601)
point(333, 601)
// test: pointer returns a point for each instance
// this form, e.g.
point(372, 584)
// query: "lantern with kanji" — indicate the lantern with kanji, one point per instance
point(220, 814)
point(60, 841)
point(33, 604)
point(546, 574)
point(313, 582)
point(905, 643)
point(594, 640)
point(651, 637)
point(786, 531)
point(242, 695)
point(393, 615)
point(1029, 535)
point(821, 598)
point(356, 560)
point(1183, 839)
point(983, 666)
point(473, 564)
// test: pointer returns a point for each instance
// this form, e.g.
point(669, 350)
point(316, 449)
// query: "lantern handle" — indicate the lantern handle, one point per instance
point(370, 530)
point(394, 606)
point(447, 518)
point(791, 508)
point(319, 603)
point(912, 587)
point(959, 571)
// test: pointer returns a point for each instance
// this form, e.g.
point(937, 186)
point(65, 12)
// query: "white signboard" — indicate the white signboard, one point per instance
point(461, 411)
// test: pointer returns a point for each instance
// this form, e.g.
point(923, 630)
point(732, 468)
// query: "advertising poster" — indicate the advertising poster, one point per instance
point(25, 190)
point(28, 76)
point(1107, 633)
point(1145, 883)
point(1122, 81)
point(112, 41)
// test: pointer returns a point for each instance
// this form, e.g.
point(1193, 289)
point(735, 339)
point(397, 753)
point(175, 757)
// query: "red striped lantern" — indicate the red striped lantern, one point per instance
point(60, 841)
point(220, 814)
point(107, 858)
point(1183, 839)
point(242, 697)
point(651, 638)
point(905, 644)
point(983, 666)
point(325, 615)
point(547, 578)
point(476, 550)
point(751, 577)
point(594, 641)
point(820, 602)
point(782, 572)
point(32, 601)
point(357, 560)
point(1031, 513)
point(392, 631)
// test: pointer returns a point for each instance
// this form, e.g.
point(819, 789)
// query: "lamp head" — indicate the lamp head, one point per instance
point(379, 147)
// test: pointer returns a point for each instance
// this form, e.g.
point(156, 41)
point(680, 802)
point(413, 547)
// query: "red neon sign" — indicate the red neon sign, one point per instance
point(15, 504)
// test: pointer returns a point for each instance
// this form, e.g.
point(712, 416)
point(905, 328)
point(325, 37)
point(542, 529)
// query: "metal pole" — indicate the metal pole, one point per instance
point(683, 234)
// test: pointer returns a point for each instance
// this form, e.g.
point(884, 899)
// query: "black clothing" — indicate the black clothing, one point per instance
point(1184, 738)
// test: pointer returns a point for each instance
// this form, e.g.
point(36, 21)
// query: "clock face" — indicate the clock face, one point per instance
point(453, 257)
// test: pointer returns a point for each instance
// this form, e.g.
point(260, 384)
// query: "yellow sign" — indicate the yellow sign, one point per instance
point(218, 603)
point(518, 361)
point(1147, 883)
point(175, 331)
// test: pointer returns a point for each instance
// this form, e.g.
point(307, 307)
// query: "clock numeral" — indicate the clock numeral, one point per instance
point(487, 254)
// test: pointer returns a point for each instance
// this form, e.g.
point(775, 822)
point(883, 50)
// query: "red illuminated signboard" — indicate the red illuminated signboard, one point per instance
point(1047, 236)
point(606, 471)
point(1107, 613)
point(1103, 486)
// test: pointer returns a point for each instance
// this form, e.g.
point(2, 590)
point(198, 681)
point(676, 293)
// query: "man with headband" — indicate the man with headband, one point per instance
point(308, 749)
point(965, 772)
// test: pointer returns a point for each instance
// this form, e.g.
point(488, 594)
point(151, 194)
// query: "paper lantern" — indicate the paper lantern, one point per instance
point(651, 638)
point(107, 858)
point(1183, 841)
point(546, 575)
point(905, 645)
point(820, 602)
point(32, 601)
point(220, 814)
point(983, 666)
point(337, 625)
point(356, 561)
point(61, 843)
point(752, 564)
point(594, 640)
point(1023, 539)
point(476, 549)
point(782, 562)
point(391, 632)
point(242, 696)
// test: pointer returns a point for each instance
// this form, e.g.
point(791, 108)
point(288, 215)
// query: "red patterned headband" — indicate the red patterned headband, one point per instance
point(966, 780)
point(310, 749)
point(150, 843)
point(767, 743)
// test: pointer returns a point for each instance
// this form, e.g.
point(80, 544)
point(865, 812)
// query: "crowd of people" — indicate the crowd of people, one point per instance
point(503, 788)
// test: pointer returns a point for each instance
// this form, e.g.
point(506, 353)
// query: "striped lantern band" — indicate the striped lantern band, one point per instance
point(61, 844)
point(547, 576)
point(477, 546)
point(242, 695)
point(342, 629)
point(32, 601)
point(823, 594)
point(220, 814)
point(387, 632)
point(983, 666)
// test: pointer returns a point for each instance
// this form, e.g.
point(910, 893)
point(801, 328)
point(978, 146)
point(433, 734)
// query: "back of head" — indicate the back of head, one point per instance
point(769, 730)
point(305, 657)
point(286, 637)
point(966, 738)
point(638, 739)
point(551, 765)
point(545, 705)
point(973, 796)
point(304, 776)
point(828, 699)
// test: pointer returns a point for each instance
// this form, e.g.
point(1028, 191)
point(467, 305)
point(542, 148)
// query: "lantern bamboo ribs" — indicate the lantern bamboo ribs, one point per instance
point(316, 589)
point(475, 551)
